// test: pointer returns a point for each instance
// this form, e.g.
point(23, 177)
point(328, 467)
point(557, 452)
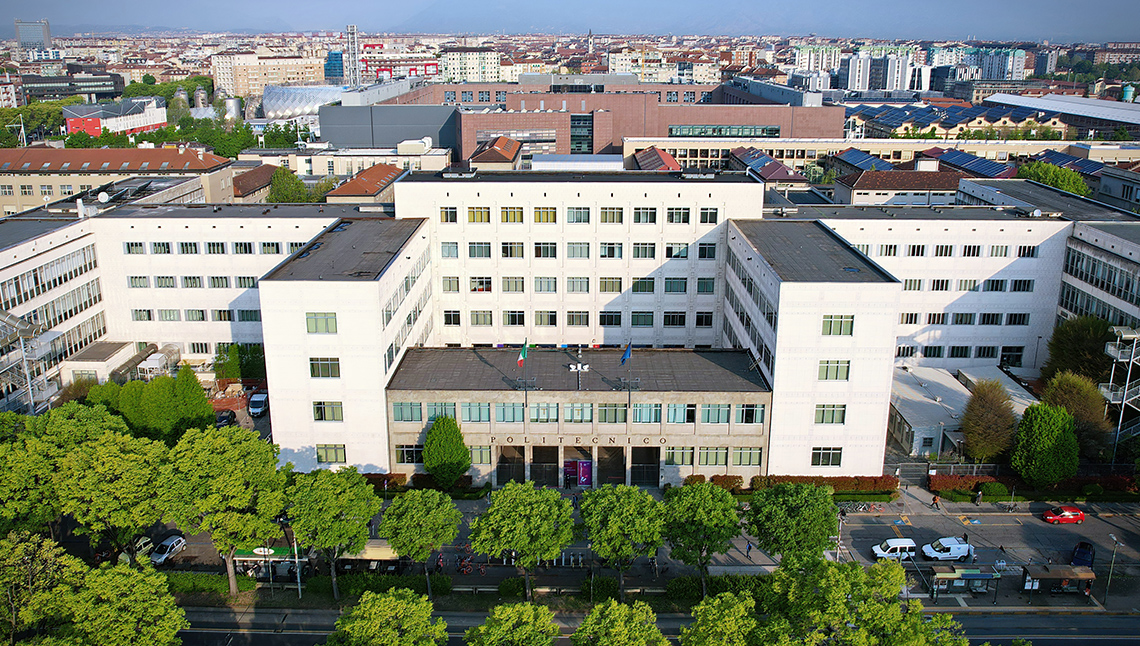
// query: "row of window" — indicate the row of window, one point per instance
point(969, 285)
point(580, 250)
point(965, 318)
point(578, 214)
point(746, 456)
point(468, 96)
point(482, 318)
point(193, 282)
point(1010, 355)
point(548, 413)
point(49, 275)
point(211, 248)
point(947, 250)
point(1119, 281)
point(46, 190)
point(580, 285)
point(193, 315)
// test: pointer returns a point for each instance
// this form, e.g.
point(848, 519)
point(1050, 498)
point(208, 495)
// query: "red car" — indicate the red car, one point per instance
point(1064, 514)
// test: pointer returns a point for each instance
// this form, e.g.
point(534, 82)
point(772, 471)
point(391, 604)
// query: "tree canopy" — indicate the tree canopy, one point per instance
point(622, 522)
point(988, 423)
point(167, 90)
point(1077, 346)
point(418, 523)
point(127, 606)
point(724, 620)
point(515, 624)
point(1046, 450)
point(793, 520)
point(161, 409)
point(36, 579)
point(446, 457)
point(399, 617)
point(700, 521)
point(1080, 396)
point(1055, 176)
point(615, 624)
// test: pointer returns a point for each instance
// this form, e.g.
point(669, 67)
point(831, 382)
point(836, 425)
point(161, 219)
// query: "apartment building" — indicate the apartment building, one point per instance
point(246, 73)
point(140, 114)
point(470, 65)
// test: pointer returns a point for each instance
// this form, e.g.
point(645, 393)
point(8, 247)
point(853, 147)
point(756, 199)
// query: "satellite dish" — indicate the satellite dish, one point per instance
point(103, 197)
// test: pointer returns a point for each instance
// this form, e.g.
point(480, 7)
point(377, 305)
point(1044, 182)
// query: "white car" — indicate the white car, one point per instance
point(166, 550)
point(895, 549)
point(258, 404)
point(949, 548)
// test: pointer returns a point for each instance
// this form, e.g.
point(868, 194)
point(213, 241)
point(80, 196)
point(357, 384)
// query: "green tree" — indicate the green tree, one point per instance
point(159, 409)
point(793, 520)
point(36, 578)
point(148, 79)
point(79, 139)
point(321, 188)
point(1055, 176)
point(331, 512)
point(614, 624)
point(131, 406)
point(533, 523)
point(446, 457)
point(1080, 396)
point(724, 620)
point(826, 602)
point(205, 491)
point(1046, 450)
point(127, 606)
point(622, 523)
point(281, 135)
point(109, 485)
point(418, 523)
point(194, 409)
point(700, 521)
point(177, 109)
point(1077, 345)
point(515, 624)
point(988, 422)
point(285, 187)
point(396, 618)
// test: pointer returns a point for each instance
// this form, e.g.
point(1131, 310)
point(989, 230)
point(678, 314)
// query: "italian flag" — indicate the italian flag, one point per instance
point(522, 354)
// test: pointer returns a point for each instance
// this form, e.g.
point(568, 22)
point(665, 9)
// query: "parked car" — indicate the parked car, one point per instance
point(167, 549)
point(258, 404)
point(1064, 514)
point(895, 549)
point(948, 548)
point(143, 546)
point(1083, 554)
point(225, 418)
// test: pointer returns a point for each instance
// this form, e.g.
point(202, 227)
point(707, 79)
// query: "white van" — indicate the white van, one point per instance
point(895, 549)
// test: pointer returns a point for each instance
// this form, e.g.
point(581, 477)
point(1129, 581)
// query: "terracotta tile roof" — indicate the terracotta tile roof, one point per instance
point(106, 160)
point(499, 149)
point(253, 180)
point(903, 180)
point(369, 182)
point(653, 158)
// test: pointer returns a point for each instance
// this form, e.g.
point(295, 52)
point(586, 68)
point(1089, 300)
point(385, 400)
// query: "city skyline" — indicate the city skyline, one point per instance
point(1048, 20)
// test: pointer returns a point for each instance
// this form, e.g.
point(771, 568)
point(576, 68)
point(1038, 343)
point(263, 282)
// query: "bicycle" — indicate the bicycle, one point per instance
point(1010, 507)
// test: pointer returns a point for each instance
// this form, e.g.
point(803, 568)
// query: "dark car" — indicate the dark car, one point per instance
point(225, 418)
point(1083, 554)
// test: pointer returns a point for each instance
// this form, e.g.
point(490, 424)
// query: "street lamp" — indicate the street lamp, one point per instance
point(1115, 544)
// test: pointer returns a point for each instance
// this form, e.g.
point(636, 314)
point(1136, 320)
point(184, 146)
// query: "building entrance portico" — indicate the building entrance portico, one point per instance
point(578, 467)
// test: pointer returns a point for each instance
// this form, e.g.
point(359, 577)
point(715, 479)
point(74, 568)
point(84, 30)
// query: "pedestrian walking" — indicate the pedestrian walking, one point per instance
point(965, 537)
point(934, 502)
point(978, 498)
point(748, 550)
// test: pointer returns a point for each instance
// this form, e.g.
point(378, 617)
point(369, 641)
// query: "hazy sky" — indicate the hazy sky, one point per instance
point(1055, 20)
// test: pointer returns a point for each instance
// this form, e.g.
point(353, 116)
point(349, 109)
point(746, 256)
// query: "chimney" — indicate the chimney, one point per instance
point(200, 151)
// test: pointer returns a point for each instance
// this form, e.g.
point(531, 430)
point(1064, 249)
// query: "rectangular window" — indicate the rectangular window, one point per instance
point(838, 324)
point(271, 248)
point(943, 251)
point(864, 249)
point(169, 315)
point(480, 318)
point(1011, 355)
point(577, 249)
point(994, 285)
point(643, 285)
point(676, 250)
point(676, 285)
point(936, 318)
point(647, 413)
point(706, 285)
point(611, 413)
point(916, 250)
point(578, 413)
point(609, 319)
point(834, 370)
point(971, 250)
point(959, 352)
point(195, 315)
point(909, 318)
point(6, 189)
point(513, 284)
point(679, 456)
point(545, 250)
point(320, 322)
point(750, 413)
point(25, 189)
point(409, 454)
point(967, 285)
point(1019, 318)
point(905, 351)
point(999, 251)
point(982, 352)
point(1027, 251)
point(577, 319)
point(932, 351)
point(248, 316)
point(66, 189)
point(644, 250)
point(577, 215)
point(331, 454)
point(545, 318)
point(475, 412)
point(609, 285)
point(164, 282)
point(578, 285)
point(478, 214)
point(450, 284)
point(963, 318)
point(514, 318)
point(222, 315)
point(246, 282)
point(511, 214)
point(324, 367)
point(682, 413)
point(641, 319)
point(480, 454)
point(219, 282)
point(545, 214)
point(609, 250)
point(199, 348)
point(1025, 285)
point(611, 215)
point(45, 189)
point(448, 214)
point(510, 413)
point(826, 456)
point(674, 319)
point(708, 215)
point(216, 248)
point(912, 284)
point(512, 250)
point(480, 283)
point(989, 318)
point(161, 248)
point(138, 281)
point(715, 413)
point(677, 215)
point(830, 413)
point(187, 247)
point(544, 413)
point(328, 412)
point(451, 317)
point(243, 248)
point(644, 215)
point(407, 412)
point(478, 249)
point(192, 282)
point(713, 456)
point(747, 456)
point(449, 249)
point(940, 285)
point(706, 250)
point(704, 319)
point(888, 250)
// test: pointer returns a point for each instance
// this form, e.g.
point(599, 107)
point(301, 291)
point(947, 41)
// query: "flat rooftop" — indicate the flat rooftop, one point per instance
point(927, 397)
point(1054, 200)
point(467, 369)
point(351, 249)
point(330, 211)
point(630, 176)
point(15, 230)
point(99, 351)
point(1129, 231)
point(808, 252)
point(889, 212)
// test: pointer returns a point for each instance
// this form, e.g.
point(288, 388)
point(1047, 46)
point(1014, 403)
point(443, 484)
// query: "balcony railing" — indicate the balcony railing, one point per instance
point(1120, 351)
point(1116, 394)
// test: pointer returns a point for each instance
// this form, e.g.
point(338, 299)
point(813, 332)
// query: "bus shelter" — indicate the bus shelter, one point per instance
point(958, 579)
point(1057, 578)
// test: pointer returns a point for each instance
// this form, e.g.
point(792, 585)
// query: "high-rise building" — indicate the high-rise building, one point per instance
point(32, 35)
point(334, 67)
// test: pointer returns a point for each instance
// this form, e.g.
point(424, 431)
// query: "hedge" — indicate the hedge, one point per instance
point(512, 587)
point(358, 584)
point(689, 587)
point(731, 483)
point(205, 583)
point(694, 479)
point(941, 483)
point(394, 480)
point(875, 484)
point(605, 587)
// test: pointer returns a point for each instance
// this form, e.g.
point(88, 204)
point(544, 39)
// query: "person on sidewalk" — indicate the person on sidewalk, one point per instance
point(934, 503)
point(978, 498)
point(748, 550)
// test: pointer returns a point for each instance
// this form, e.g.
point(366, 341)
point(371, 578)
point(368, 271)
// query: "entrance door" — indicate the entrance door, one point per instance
point(645, 466)
point(577, 467)
point(512, 464)
point(544, 466)
point(611, 465)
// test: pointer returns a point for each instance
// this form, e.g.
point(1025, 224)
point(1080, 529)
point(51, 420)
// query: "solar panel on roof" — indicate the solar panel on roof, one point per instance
point(973, 163)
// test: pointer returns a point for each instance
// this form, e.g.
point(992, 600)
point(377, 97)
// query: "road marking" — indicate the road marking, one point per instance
point(898, 532)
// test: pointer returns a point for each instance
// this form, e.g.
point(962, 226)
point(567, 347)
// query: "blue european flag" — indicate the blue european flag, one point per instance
point(628, 352)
